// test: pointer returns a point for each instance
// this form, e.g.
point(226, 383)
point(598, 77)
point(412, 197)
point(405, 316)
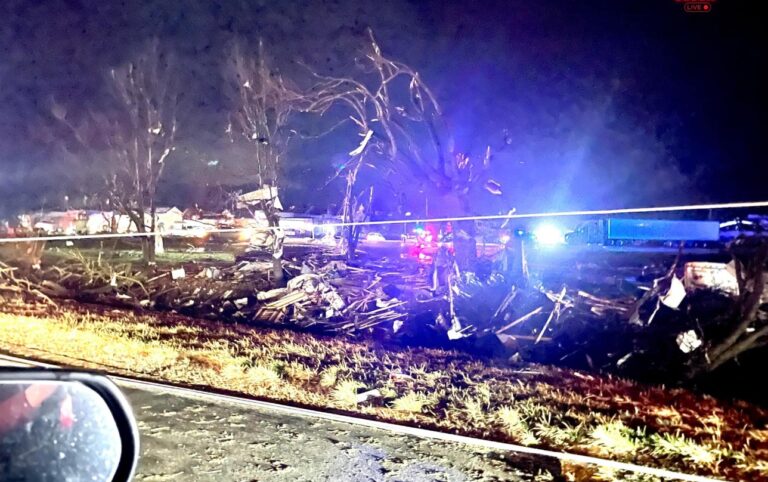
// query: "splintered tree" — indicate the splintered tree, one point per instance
point(128, 140)
point(402, 133)
point(745, 326)
point(262, 106)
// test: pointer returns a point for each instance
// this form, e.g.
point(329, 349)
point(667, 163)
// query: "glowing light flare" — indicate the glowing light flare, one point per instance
point(245, 234)
point(549, 234)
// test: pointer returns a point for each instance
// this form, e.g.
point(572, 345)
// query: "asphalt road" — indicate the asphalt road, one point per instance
point(195, 439)
point(189, 439)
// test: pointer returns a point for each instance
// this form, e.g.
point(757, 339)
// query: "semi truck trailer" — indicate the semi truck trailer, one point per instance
point(645, 232)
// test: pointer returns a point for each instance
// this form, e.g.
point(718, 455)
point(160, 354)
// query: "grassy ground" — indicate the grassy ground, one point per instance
point(169, 256)
point(534, 405)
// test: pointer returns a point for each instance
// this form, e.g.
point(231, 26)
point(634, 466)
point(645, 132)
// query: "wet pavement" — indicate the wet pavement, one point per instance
point(189, 439)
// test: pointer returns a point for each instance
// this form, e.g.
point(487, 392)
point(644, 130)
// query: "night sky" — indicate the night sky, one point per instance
point(585, 104)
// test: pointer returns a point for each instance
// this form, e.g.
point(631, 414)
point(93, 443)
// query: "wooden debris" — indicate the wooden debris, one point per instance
point(554, 314)
point(522, 319)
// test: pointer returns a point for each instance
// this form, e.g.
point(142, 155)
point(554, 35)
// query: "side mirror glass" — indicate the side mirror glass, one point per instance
point(60, 425)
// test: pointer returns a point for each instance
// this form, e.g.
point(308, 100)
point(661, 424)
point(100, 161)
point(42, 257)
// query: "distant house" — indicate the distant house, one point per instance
point(167, 217)
point(124, 224)
point(193, 213)
point(60, 222)
point(98, 222)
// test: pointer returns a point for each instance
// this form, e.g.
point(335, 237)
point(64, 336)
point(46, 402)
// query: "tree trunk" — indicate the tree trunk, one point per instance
point(278, 275)
point(348, 210)
point(465, 245)
point(746, 334)
point(149, 241)
point(148, 249)
point(352, 241)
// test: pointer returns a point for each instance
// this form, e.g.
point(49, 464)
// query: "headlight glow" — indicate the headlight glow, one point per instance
point(549, 234)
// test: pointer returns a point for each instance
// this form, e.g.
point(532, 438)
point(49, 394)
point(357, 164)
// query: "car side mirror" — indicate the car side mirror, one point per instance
point(64, 425)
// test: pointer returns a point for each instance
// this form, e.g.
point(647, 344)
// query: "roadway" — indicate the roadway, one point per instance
point(191, 439)
point(188, 437)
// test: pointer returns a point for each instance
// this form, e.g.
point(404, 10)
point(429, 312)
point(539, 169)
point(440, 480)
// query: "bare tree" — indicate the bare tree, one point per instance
point(129, 140)
point(745, 327)
point(402, 131)
point(262, 107)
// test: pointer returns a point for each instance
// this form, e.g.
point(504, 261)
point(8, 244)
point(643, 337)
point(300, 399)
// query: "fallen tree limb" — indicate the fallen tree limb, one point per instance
point(522, 319)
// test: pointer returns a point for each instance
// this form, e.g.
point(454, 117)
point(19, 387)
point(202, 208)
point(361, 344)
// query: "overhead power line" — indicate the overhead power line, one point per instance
point(490, 217)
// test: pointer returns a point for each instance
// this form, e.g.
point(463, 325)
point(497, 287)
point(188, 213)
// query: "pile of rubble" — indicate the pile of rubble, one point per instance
point(650, 322)
point(17, 291)
point(332, 297)
point(591, 318)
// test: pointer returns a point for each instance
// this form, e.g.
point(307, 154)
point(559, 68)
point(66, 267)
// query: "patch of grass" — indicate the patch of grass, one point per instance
point(428, 377)
point(388, 392)
point(758, 467)
point(667, 415)
point(206, 362)
point(713, 425)
point(345, 393)
point(361, 358)
point(760, 436)
point(183, 256)
point(473, 408)
point(296, 349)
point(233, 372)
point(263, 375)
point(444, 390)
point(514, 424)
point(412, 402)
point(615, 438)
point(329, 376)
point(679, 446)
point(558, 432)
point(532, 410)
point(299, 372)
